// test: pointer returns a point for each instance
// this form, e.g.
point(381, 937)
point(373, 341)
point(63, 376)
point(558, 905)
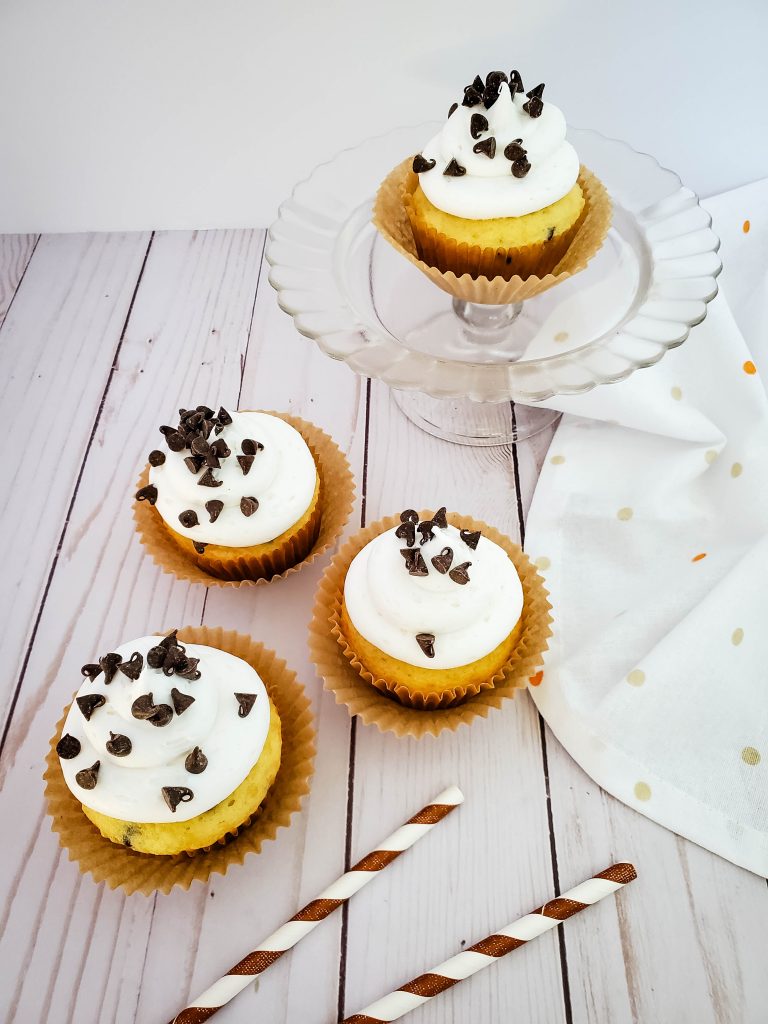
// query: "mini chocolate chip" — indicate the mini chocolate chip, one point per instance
point(68, 747)
point(248, 506)
point(91, 671)
point(176, 441)
point(459, 574)
point(550, 234)
point(212, 460)
point(109, 665)
point(194, 463)
point(440, 518)
point(156, 457)
point(454, 169)
point(515, 150)
point(196, 762)
point(245, 702)
point(129, 835)
point(132, 668)
point(148, 493)
point(175, 795)
point(162, 716)
point(188, 518)
point(118, 745)
point(478, 84)
point(205, 410)
point(143, 707)
point(533, 107)
point(409, 516)
point(454, 107)
point(181, 701)
point(88, 777)
point(209, 480)
point(175, 657)
point(221, 448)
point(223, 417)
point(471, 538)
point(487, 146)
point(199, 547)
point(245, 461)
point(537, 91)
point(156, 657)
point(89, 702)
point(213, 508)
point(426, 642)
point(477, 124)
point(426, 531)
point(495, 78)
point(442, 562)
point(490, 95)
point(190, 670)
point(421, 164)
point(200, 446)
point(166, 431)
point(251, 447)
point(472, 96)
point(520, 168)
point(406, 532)
point(414, 562)
point(170, 639)
point(515, 83)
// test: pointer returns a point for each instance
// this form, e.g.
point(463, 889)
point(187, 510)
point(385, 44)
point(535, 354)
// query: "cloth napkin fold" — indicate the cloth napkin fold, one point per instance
point(650, 525)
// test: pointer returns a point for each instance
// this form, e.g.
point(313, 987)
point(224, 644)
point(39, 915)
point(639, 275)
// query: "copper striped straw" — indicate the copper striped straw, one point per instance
point(301, 924)
point(489, 950)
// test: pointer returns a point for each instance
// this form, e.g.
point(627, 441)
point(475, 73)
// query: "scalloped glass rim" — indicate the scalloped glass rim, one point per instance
point(311, 246)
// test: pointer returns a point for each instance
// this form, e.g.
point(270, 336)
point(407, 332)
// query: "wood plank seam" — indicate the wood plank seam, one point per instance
point(20, 282)
point(244, 356)
point(73, 498)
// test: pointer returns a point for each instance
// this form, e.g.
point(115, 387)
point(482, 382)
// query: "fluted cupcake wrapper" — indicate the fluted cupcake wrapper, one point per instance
point(132, 871)
point(477, 274)
point(337, 495)
point(389, 704)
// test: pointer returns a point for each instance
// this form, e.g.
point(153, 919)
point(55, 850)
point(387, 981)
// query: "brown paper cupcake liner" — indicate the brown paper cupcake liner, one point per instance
point(132, 871)
point(337, 495)
point(378, 701)
point(390, 217)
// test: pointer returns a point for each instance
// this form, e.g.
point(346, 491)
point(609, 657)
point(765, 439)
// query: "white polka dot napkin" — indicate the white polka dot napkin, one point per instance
point(652, 536)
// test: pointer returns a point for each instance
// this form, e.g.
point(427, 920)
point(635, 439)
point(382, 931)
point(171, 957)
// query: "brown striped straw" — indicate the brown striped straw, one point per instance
point(301, 924)
point(489, 950)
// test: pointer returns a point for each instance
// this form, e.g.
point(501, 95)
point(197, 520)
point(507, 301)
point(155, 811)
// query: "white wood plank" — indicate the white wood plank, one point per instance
point(490, 860)
point(15, 254)
point(57, 345)
point(72, 951)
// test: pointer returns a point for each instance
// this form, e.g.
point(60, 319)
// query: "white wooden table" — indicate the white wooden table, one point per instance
point(102, 337)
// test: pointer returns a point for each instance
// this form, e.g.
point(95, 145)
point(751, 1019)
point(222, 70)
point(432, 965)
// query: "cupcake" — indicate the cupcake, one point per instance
point(170, 747)
point(430, 612)
point(238, 494)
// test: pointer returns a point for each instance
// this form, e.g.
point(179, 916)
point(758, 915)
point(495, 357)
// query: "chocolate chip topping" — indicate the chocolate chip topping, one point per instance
point(493, 82)
point(454, 169)
point(214, 508)
point(440, 518)
point(188, 518)
point(245, 702)
point(426, 642)
point(459, 574)
point(209, 480)
point(143, 708)
point(520, 168)
point(190, 670)
point(109, 665)
point(196, 762)
point(156, 457)
point(221, 449)
point(477, 84)
point(454, 107)
point(414, 562)
point(194, 463)
point(515, 83)
point(175, 441)
point(472, 96)
point(245, 461)
point(175, 795)
point(426, 531)
point(487, 146)
point(406, 532)
point(248, 506)
point(537, 91)
point(409, 516)
point(91, 671)
point(118, 745)
point(515, 150)
point(223, 417)
point(442, 562)
point(471, 538)
point(88, 777)
point(199, 547)
point(181, 701)
point(89, 702)
point(421, 164)
point(477, 124)
point(148, 493)
point(251, 447)
point(533, 107)
point(133, 667)
point(68, 746)
point(162, 716)
point(199, 445)
point(171, 656)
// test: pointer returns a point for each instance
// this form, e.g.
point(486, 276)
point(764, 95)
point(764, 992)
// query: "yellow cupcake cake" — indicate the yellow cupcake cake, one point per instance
point(170, 747)
point(430, 609)
point(239, 493)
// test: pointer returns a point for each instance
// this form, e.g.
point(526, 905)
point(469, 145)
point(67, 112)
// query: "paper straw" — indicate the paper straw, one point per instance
point(301, 924)
point(482, 954)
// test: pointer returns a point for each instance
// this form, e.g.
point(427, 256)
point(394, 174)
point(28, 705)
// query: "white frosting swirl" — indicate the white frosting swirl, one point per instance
point(389, 607)
point(282, 478)
point(131, 787)
point(489, 189)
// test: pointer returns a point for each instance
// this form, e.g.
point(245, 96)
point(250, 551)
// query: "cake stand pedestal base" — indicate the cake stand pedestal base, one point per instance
point(474, 423)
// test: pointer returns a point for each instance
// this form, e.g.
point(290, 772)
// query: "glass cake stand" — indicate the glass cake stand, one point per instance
point(478, 374)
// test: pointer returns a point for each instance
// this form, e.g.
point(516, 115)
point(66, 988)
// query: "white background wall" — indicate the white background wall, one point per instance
point(132, 114)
